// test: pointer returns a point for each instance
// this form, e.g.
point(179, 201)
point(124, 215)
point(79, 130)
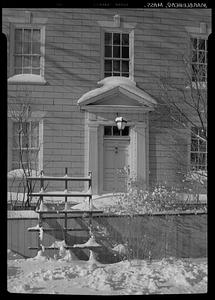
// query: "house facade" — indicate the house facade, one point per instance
point(72, 72)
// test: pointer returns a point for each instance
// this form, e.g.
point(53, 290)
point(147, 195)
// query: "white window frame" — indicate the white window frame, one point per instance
point(198, 152)
point(111, 26)
point(23, 148)
point(25, 78)
point(202, 31)
point(205, 38)
point(118, 58)
point(36, 116)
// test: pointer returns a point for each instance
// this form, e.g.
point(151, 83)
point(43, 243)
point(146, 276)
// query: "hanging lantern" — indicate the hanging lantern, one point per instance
point(120, 122)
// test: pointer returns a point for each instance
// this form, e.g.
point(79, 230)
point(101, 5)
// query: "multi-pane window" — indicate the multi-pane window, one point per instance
point(27, 51)
point(116, 54)
point(198, 155)
point(25, 145)
point(114, 131)
point(199, 59)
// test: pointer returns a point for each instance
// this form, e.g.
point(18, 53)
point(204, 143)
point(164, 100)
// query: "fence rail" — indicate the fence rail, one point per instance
point(65, 194)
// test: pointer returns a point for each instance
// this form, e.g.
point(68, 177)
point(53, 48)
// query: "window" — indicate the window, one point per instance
point(199, 59)
point(116, 54)
point(25, 147)
point(198, 154)
point(27, 51)
point(114, 131)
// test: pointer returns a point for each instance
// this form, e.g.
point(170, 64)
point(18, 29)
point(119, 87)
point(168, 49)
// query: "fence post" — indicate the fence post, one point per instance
point(65, 219)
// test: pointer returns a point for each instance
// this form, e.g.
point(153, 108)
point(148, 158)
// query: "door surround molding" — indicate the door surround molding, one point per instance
point(138, 149)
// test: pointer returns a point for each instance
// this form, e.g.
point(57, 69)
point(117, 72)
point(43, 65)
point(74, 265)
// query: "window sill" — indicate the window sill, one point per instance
point(200, 85)
point(27, 79)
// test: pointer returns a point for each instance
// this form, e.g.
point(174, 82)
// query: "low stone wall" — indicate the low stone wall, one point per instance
point(177, 234)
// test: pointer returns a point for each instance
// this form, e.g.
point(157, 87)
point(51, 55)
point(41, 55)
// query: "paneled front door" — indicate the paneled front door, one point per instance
point(116, 158)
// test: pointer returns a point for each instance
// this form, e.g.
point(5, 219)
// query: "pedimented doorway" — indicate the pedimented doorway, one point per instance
point(109, 153)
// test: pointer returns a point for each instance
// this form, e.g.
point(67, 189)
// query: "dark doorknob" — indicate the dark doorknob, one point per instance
point(116, 149)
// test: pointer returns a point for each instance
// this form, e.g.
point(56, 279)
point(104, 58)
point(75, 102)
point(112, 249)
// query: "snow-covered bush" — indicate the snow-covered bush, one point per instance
point(195, 182)
point(136, 199)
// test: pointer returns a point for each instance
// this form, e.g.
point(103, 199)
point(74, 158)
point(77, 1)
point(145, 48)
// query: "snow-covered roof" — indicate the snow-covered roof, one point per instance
point(115, 84)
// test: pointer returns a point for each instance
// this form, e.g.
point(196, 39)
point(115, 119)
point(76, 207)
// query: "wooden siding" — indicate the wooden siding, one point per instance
point(72, 67)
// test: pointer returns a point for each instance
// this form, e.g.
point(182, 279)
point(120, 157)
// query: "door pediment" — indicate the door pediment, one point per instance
point(118, 93)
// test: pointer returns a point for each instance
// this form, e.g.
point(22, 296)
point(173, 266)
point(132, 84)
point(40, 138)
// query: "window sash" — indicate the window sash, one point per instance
point(199, 59)
point(116, 54)
point(27, 49)
point(198, 152)
point(110, 131)
point(28, 132)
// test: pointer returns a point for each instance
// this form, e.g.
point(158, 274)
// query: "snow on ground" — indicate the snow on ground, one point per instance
point(65, 276)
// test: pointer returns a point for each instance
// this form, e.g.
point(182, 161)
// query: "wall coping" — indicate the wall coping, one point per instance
point(29, 214)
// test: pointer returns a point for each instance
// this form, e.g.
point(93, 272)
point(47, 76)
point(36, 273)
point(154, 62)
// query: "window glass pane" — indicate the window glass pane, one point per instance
point(201, 44)
point(108, 65)
point(18, 35)
point(18, 41)
point(116, 65)
point(18, 48)
point(201, 72)
point(194, 56)
point(116, 130)
point(116, 74)
point(36, 61)
point(107, 130)
point(202, 146)
point(36, 48)
point(116, 39)
point(25, 127)
point(194, 145)
point(25, 156)
point(33, 156)
point(194, 132)
point(108, 38)
point(202, 159)
point(108, 74)
point(27, 48)
point(16, 156)
point(36, 71)
point(16, 127)
point(201, 57)
point(125, 131)
point(27, 35)
point(194, 43)
point(15, 141)
point(125, 74)
point(36, 35)
point(26, 61)
point(17, 71)
point(26, 71)
point(34, 134)
point(18, 61)
point(116, 51)
point(15, 165)
point(125, 66)
point(108, 51)
point(125, 52)
point(195, 69)
point(125, 39)
point(25, 141)
point(194, 158)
